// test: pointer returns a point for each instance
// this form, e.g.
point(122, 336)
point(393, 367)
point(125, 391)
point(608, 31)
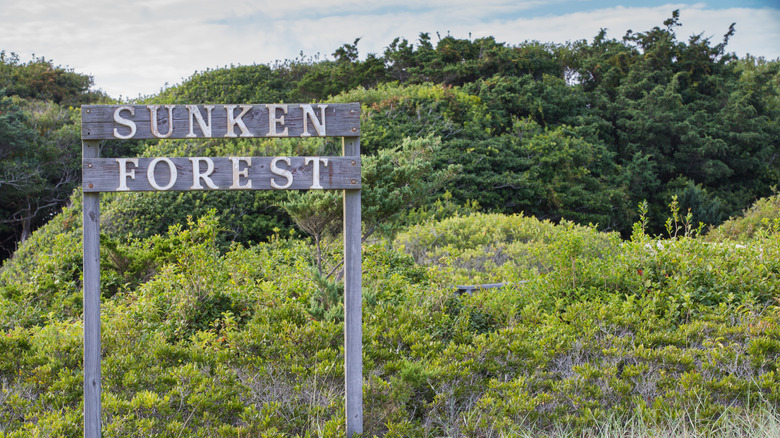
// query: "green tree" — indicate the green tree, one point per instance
point(39, 165)
point(346, 72)
point(548, 172)
point(245, 83)
point(393, 182)
point(671, 110)
point(40, 79)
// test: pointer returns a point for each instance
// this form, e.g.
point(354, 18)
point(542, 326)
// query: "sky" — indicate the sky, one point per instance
point(137, 48)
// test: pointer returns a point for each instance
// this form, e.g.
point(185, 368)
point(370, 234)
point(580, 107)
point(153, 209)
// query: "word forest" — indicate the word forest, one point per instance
point(219, 173)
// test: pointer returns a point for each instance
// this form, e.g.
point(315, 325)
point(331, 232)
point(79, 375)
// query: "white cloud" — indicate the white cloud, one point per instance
point(134, 48)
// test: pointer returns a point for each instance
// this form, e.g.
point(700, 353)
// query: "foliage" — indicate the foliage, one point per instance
point(240, 322)
point(682, 117)
point(43, 279)
point(547, 100)
point(400, 179)
point(393, 181)
point(346, 72)
point(243, 83)
point(394, 112)
point(317, 213)
point(550, 173)
point(40, 79)
point(39, 165)
point(476, 244)
point(762, 217)
point(39, 143)
point(457, 61)
point(653, 331)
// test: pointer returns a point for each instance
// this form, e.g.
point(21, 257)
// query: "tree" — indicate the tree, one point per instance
point(15, 177)
point(317, 213)
point(39, 164)
point(393, 181)
point(40, 79)
point(329, 78)
point(551, 173)
point(681, 113)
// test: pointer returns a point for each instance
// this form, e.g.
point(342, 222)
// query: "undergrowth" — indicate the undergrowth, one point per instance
point(590, 336)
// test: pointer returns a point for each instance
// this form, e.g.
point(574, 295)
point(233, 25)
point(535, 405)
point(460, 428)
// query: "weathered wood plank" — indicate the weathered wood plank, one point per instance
point(106, 122)
point(91, 299)
point(353, 301)
point(220, 173)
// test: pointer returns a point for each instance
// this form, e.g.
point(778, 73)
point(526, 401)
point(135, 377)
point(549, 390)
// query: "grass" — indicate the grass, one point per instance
point(764, 422)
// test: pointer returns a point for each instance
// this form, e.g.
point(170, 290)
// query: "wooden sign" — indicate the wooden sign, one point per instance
point(222, 173)
point(124, 122)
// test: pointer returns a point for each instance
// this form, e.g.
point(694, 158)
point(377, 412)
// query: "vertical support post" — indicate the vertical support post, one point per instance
point(353, 306)
point(91, 242)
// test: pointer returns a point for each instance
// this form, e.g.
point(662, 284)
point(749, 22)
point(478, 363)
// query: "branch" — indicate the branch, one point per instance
point(338, 265)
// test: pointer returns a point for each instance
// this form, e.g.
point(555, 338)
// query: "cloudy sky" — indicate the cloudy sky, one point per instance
point(135, 48)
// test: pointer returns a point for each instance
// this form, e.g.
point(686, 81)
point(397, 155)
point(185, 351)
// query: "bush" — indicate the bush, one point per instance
point(762, 216)
point(656, 332)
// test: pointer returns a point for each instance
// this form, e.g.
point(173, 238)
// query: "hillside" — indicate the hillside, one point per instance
point(623, 191)
point(591, 332)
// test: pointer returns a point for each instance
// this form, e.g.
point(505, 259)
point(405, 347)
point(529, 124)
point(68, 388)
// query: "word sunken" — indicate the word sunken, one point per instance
point(124, 122)
point(233, 121)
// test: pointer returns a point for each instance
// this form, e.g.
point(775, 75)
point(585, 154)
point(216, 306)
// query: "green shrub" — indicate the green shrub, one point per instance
point(224, 341)
point(762, 216)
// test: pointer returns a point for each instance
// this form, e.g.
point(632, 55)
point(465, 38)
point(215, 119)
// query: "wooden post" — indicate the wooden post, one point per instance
point(91, 242)
point(353, 307)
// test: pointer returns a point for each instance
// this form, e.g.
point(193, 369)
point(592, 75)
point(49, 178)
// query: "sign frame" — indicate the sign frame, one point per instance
point(123, 122)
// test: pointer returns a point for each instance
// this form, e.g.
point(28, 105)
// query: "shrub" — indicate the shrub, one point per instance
point(762, 216)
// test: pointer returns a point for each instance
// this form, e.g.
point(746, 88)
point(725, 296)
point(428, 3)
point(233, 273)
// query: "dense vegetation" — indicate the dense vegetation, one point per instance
point(40, 143)
point(623, 190)
point(592, 332)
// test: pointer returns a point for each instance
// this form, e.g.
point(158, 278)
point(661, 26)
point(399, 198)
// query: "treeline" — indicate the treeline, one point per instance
point(582, 131)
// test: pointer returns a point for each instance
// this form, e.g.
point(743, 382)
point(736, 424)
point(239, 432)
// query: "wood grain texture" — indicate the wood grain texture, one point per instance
point(98, 121)
point(353, 301)
point(103, 174)
point(91, 300)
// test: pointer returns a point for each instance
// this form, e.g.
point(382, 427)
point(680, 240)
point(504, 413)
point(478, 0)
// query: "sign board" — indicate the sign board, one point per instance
point(126, 122)
point(219, 173)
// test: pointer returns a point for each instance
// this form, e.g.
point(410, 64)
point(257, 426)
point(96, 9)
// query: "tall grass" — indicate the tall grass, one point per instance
point(761, 423)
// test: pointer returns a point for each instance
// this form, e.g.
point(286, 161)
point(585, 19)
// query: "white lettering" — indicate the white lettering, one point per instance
point(308, 113)
point(204, 127)
point(124, 174)
point(273, 120)
point(237, 174)
point(150, 173)
point(281, 172)
point(124, 122)
point(197, 175)
point(232, 121)
point(315, 183)
point(153, 123)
